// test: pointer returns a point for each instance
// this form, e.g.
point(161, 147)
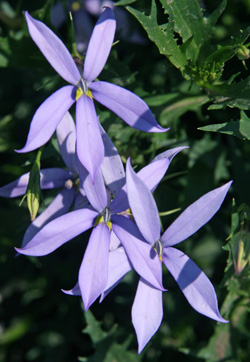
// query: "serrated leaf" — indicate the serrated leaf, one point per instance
point(190, 23)
point(161, 35)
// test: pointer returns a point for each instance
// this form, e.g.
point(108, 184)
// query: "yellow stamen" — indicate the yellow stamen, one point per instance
point(100, 220)
point(160, 257)
point(89, 94)
point(79, 93)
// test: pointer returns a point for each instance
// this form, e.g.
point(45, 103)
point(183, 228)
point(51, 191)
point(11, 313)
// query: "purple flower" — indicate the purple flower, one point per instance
point(54, 178)
point(147, 308)
point(83, 90)
point(93, 273)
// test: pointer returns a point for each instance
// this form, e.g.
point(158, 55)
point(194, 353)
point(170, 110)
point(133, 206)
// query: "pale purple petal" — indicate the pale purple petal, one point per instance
point(118, 267)
point(47, 117)
point(99, 45)
point(170, 154)
point(90, 148)
point(112, 167)
point(114, 242)
point(66, 137)
point(58, 232)
point(95, 192)
point(54, 50)
point(93, 273)
point(143, 206)
point(81, 201)
point(95, 7)
point(128, 106)
point(195, 216)
point(141, 255)
point(52, 178)
point(15, 188)
point(194, 284)
point(74, 291)
point(151, 175)
point(147, 312)
point(59, 206)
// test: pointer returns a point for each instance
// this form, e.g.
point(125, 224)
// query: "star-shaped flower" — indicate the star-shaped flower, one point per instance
point(132, 109)
point(93, 273)
point(147, 309)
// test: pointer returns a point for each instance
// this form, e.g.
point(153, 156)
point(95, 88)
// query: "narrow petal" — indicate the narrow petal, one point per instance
point(93, 273)
point(74, 291)
point(194, 284)
point(112, 167)
point(81, 201)
point(59, 206)
point(58, 232)
point(15, 188)
point(90, 148)
point(170, 154)
point(195, 216)
point(128, 106)
point(66, 138)
point(114, 242)
point(143, 206)
point(95, 192)
point(53, 49)
point(151, 175)
point(118, 267)
point(140, 254)
point(99, 45)
point(52, 178)
point(47, 117)
point(147, 312)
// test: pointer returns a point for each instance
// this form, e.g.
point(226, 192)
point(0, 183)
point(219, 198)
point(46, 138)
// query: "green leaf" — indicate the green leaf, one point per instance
point(240, 129)
point(161, 35)
point(190, 23)
point(124, 2)
point(106, 348)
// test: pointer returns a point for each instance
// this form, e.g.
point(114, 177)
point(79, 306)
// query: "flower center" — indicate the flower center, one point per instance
point(83, 89)
point(105, 218)
point(158, 248)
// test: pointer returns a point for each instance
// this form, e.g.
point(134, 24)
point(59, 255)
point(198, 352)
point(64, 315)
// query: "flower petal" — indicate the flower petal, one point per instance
point(147, 312)
point(118, 267)
point(15, 188)
point(74, 291)
point(66, 138)
point(58, 232)
point(112, 167)
point(47, 117)
point(90, 148)
point(59, 206)
point(195, 216)
point(81, 201)
point(99, 45)
point(151, 175)
point(143, 206)
point(194, 284)
point(128, 106)
point(53, 49)
point(52, 178)
point(93, 273)
point(141, 255)
point(170, 154)
point(95, 192)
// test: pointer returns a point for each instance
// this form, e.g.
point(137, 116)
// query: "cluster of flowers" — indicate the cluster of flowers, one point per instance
point(118, 206)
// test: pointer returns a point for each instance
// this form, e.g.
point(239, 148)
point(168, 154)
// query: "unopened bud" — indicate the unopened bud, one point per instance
point(242, 52)
point(241, 252)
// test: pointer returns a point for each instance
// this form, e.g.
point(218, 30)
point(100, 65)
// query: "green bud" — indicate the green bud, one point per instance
point(33, 190)
point(242, 52)
point(241, 252)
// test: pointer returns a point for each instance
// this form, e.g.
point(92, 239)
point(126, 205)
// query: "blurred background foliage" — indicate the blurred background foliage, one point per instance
point(203, 94)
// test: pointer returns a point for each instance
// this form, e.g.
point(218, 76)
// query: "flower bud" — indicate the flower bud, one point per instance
point(241, 252)
point(242, 52)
